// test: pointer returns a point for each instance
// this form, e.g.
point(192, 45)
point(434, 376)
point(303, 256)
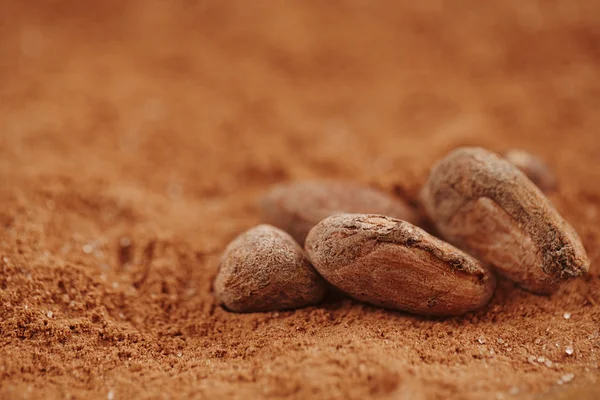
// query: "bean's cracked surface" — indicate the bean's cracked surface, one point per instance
point(391, 263)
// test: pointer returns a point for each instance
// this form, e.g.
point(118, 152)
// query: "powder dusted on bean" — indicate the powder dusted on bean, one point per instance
point(484, 204)
point(391, 263)
point(297, 207)
point(264, 269)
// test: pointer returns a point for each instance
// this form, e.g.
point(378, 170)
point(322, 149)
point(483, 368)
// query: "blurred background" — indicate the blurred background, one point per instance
point(208, 98)
point(342, 87)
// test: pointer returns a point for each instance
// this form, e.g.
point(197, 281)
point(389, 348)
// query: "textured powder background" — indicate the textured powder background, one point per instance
point(159, 124)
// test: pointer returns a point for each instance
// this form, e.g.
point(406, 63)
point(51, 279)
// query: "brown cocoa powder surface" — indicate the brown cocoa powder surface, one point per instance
point(162, 123)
